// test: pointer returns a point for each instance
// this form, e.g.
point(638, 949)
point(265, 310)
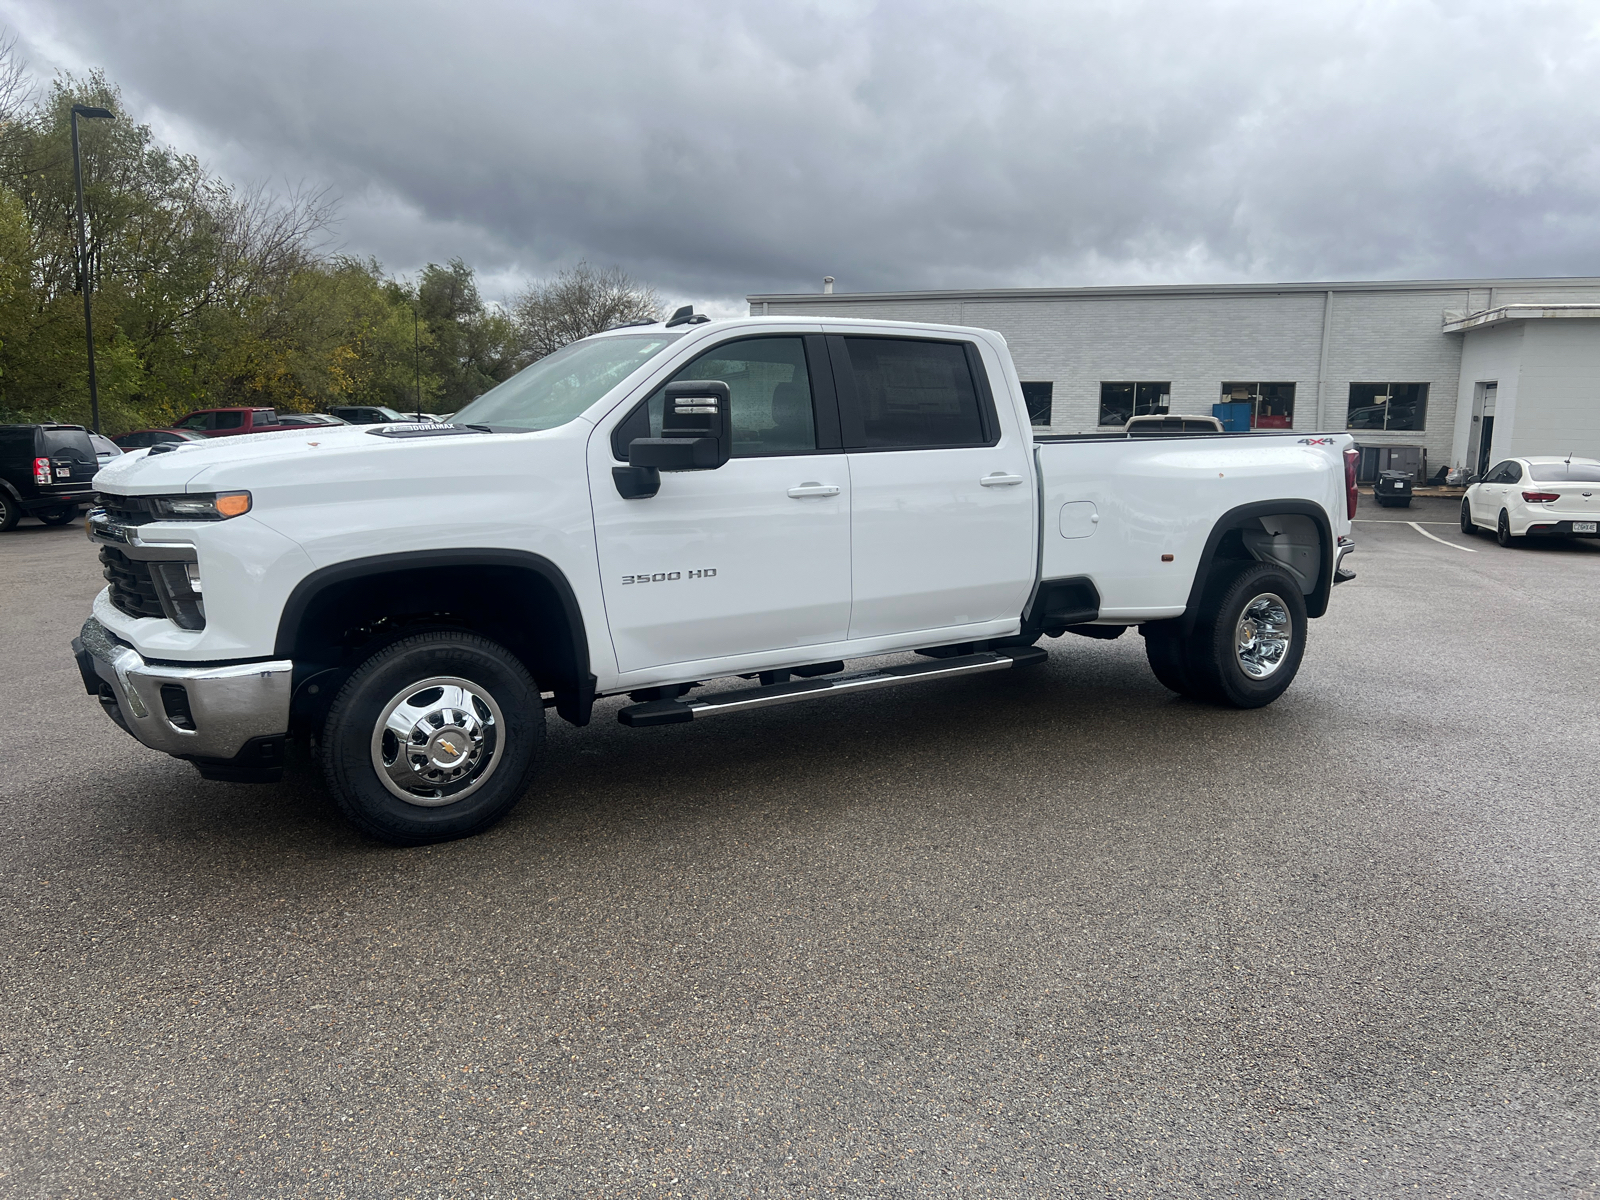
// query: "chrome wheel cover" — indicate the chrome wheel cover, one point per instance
point(1263, 635)
point(438, 741)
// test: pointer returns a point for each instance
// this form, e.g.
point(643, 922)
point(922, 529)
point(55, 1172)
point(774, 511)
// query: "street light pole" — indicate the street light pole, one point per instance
point(86, 110)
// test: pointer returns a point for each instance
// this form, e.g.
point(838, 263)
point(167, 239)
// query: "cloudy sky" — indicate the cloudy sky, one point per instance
point(717, 149)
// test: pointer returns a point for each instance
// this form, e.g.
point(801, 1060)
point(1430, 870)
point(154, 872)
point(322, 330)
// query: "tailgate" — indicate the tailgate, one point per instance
point(72, 460)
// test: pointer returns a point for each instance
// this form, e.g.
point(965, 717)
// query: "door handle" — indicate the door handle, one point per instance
point(1000, 479)
point(801, 491)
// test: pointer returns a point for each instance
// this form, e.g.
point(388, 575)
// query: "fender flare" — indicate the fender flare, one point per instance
point(574, 707)
point(1316, 602)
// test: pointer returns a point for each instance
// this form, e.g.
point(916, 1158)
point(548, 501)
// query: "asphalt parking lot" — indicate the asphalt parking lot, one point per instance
point(1059, 934)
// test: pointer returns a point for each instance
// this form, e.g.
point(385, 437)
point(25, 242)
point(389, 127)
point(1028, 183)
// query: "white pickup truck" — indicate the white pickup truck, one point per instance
point(660, 507)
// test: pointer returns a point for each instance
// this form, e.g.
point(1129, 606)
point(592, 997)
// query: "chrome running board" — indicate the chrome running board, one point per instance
point(673, 712)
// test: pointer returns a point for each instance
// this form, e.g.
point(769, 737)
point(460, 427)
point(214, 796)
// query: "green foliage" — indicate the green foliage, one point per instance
point(203, 294)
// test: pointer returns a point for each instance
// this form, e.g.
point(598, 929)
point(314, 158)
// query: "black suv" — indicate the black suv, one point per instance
point(46, 471)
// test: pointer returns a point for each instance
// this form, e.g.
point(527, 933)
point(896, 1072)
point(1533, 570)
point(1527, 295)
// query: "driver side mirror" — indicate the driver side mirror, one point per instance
point(695, 430)
point(696, 435)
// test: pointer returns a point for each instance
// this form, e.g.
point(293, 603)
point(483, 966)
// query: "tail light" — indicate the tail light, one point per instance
point(1540, 497)
point(41, 471)
point(1351, 457)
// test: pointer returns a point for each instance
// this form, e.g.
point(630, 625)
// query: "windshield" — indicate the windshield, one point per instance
point(1573, 472)
point(559, 386)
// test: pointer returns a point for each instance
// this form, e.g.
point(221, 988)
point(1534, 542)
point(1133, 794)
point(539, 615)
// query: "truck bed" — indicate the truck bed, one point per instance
point(1134, 514)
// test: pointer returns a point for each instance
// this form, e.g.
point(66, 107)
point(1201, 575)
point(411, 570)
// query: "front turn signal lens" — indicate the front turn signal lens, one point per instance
point(233, 504)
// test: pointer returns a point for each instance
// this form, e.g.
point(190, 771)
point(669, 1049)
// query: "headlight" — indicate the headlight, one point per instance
point(200, 506)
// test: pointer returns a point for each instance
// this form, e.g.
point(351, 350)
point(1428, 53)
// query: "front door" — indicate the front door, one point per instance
point(942, 525)
point(751, 557)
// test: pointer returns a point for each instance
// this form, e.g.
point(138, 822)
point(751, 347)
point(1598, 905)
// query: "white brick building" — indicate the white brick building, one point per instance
point(1425, 364)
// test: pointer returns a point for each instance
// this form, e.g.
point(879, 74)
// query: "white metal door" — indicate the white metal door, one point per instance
point(941, 488)
point(939, 538)
point(751, 557)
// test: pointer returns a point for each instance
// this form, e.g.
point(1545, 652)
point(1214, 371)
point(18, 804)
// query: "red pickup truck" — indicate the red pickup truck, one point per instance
point(221, 422)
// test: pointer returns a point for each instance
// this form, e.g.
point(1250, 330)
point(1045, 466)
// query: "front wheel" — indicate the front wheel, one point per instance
point(434, 737)
point(1249, 636)
point(1467, 524)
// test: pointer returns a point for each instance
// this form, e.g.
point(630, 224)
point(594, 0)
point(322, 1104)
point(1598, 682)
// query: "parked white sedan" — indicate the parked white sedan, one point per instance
point(1535, 497)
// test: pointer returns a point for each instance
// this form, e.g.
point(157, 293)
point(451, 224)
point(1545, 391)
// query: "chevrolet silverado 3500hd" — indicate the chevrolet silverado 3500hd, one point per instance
point(664, 505)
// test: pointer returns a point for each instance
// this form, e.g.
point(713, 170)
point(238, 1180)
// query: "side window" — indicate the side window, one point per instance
point(1512, 472)
point(770, 389)
point(1498, 474)
point(908, 394)
point(136, 441)
point(228, 420)
point(198, 422)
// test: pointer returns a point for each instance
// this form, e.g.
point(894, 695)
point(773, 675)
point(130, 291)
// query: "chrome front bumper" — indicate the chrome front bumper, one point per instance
point(225, 707)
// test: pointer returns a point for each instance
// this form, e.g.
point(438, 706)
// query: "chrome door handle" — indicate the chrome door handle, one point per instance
point(1000, 479)
point(803, 490)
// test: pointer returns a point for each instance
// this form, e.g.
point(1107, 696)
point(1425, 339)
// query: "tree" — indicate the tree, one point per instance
point(472, 346)
point(576, 303)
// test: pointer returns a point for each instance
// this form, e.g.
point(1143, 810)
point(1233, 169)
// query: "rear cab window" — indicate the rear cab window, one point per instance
point(912, 393)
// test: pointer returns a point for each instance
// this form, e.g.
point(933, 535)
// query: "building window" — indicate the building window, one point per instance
point(1388, 406)
point(1271, 404)
point(1119, 401)
point(1037, 397)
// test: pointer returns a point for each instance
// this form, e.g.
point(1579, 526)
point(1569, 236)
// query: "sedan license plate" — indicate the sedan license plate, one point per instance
point(1584, 527)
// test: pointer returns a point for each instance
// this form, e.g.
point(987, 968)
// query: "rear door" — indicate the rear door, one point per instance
point(753, 556)
point(941, 490)
point(73, 462)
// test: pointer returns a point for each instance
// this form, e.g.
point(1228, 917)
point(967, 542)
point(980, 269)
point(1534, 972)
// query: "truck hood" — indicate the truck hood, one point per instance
point(347, 452)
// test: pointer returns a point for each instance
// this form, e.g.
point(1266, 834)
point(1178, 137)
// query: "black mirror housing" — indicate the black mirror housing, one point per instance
point(696, 429)
point(674, 454)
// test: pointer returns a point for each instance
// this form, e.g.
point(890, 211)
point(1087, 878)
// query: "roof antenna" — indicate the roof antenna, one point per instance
point(686, 316)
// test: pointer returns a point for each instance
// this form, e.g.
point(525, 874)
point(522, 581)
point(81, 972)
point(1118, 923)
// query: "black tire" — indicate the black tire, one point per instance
point(1216, 662)
point(1502, 531)
point(497, 710)
point(1164, 647)
point(10, 513)
point(1467, 525)
point(58, 516)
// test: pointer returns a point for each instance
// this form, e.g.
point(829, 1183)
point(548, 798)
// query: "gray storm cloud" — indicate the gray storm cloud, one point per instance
point(722, 149)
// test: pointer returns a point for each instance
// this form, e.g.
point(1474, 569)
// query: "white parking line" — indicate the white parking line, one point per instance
point(1439, 539)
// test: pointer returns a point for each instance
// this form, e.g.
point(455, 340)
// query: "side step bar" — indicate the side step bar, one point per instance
point(673, 712)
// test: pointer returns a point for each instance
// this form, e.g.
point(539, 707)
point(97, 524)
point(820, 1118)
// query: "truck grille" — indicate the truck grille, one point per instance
point(133, 590)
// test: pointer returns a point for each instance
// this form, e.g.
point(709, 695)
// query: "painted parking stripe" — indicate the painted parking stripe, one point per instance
point(1439, 539)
